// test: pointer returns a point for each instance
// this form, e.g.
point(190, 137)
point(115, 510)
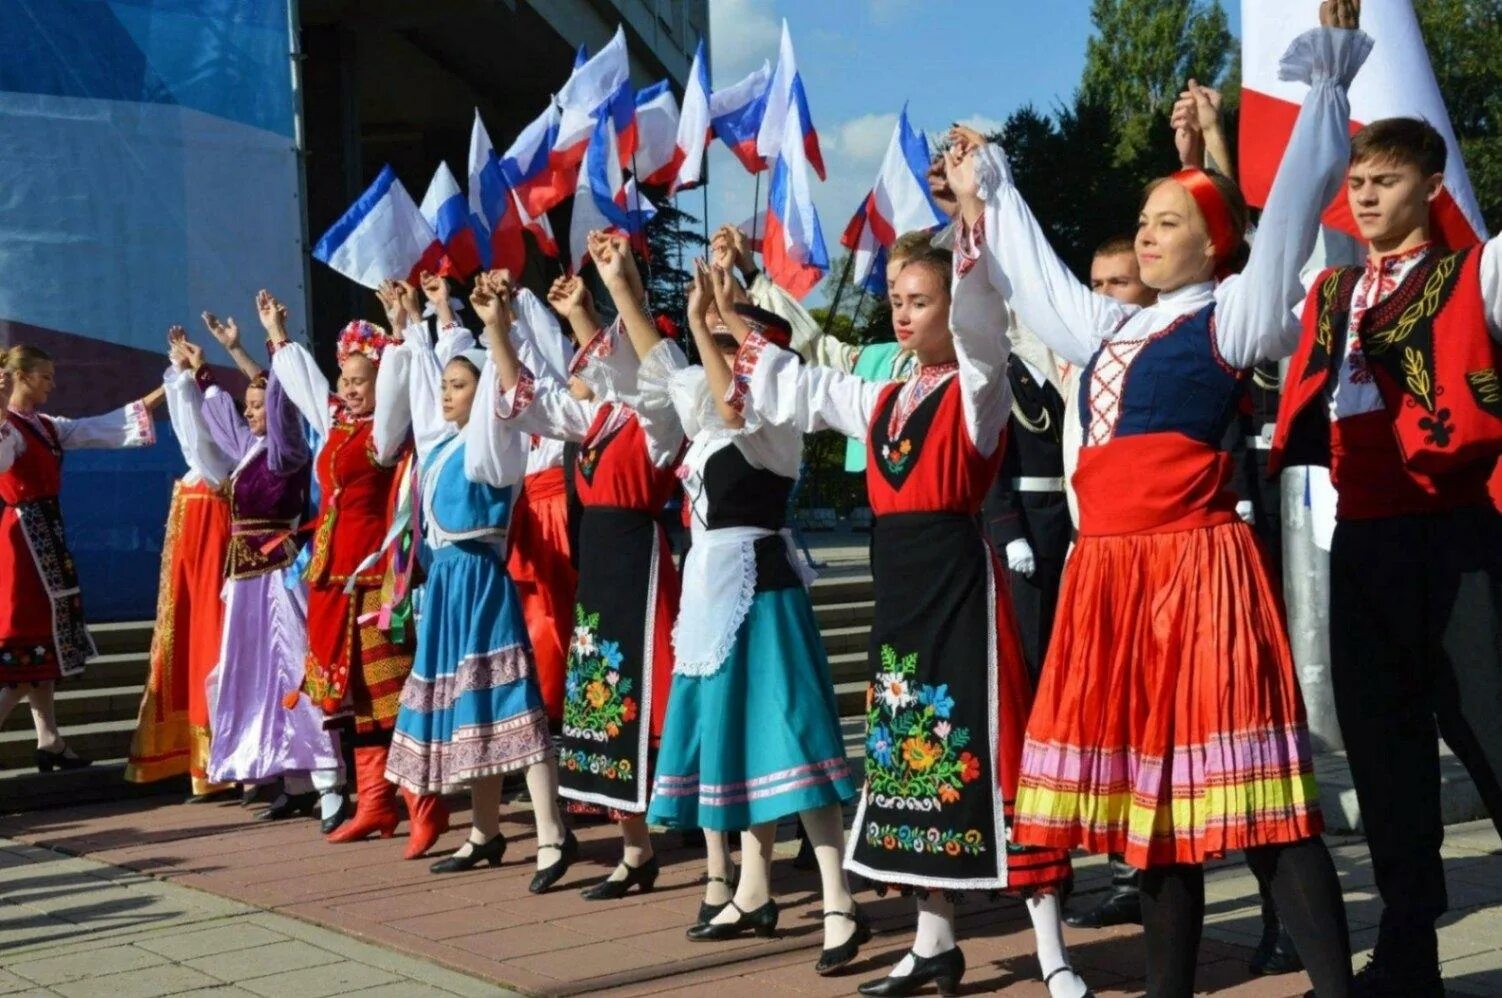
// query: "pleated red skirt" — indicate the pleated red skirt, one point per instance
point(545, 578)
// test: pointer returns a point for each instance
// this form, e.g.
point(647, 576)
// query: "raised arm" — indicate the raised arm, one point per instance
point(222, 420)
point(522, 402)
point(306, 386)
point(979, 320)
point(1254, 317)
point(617, 268)
point(286, 444)
point(494, 453)
point(771, 384)
point(999, 233)
point(129, 426)
point(202, 455)
point(227, 335)
point(393, 415)
point(10, 440)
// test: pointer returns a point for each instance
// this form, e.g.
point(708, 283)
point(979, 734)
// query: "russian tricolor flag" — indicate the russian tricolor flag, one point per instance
point(694, 124)
point(657, 159)
point(456, 252)
point(736, 112)
point(493, 208)
point(382, 235)
point(528, 168)
point(1396, 81)
point(899, 202)
point(784, 95)
point(604, 77)
point(794, 253)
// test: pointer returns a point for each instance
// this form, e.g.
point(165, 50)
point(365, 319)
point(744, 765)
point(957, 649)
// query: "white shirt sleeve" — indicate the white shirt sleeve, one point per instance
point(1024, 269)
point(545, 408)
point(494, 453)
point(539, 339)
point(305, 385)
point(657, 414)
point(1491, 286)
point(808, 337)
point(10, 446)
point(423, 385)
point(128, 426)
point(199, 450)
point(979, 319)
point(771, 385)
point(394, 406)
point(1255, 315)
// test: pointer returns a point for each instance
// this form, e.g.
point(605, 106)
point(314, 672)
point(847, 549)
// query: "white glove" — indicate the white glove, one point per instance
point(1020, 557)
point(1244, 510)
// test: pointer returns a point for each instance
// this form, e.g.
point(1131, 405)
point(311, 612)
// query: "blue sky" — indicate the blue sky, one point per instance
point(950, 60)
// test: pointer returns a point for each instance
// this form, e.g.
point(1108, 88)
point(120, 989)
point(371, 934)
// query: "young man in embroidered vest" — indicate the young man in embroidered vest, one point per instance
point(1395, 386)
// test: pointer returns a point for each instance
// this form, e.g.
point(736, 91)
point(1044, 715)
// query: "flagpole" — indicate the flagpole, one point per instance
point(704, 186)
point(646, 255)
point(839, 289)
point(755, 205)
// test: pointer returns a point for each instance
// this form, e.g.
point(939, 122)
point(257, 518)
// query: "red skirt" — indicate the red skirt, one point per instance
point(1169, 724)
point(172, 728)
point(545, 579)
point(353, 667)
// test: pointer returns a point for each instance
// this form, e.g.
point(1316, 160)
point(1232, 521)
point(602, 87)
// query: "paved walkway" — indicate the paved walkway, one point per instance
point(156, 898)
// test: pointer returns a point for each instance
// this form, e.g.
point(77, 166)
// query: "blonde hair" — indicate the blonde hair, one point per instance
point(908, 245)
point(24, 359)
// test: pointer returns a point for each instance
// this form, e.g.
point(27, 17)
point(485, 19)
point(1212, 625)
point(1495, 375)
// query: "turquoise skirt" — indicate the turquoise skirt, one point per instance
point(471, 707)
point(759, 739)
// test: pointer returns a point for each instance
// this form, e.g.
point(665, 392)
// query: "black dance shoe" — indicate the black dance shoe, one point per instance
point(762, 921)
point(836, 957)
point(290, 806)
point(331, 824)
point(944, 970)
point(568, 851)
point(708, 911)
point(1275, 953)
point(489, 852)
point(66, 759)
point(642, 877)
point(1117, 909)
point(1389, 979)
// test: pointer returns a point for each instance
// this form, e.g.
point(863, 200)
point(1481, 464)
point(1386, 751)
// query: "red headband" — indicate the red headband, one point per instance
point(1217, 214)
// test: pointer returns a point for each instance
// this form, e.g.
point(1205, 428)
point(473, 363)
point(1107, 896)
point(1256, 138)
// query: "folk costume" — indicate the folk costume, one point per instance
point(257, 736)
point(172, 726)
point(1394, 386)
point(746, 645)
point(949, 693)
point(1169, 724)
point(43, 634)
point(620, 656)
point(471, 707)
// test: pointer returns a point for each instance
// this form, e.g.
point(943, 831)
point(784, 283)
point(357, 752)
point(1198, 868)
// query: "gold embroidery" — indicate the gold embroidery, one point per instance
point(1326, 334)
point(1486, 385)
point(1424, 308)
point(1419, 383)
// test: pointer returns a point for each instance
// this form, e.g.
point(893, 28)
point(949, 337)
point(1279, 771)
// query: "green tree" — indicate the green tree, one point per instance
point(1464, 38)
point(1141, 54)
point(673, 240)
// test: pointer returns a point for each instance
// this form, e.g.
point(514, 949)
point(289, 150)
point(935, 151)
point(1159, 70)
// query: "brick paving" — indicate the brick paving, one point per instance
point(134, 897)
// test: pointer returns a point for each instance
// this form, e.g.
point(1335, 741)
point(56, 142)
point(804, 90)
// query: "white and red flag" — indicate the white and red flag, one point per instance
point(1397, 81)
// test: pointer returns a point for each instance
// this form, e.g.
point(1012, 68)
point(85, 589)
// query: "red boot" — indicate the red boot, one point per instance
point(429, 818)
point(375, 810)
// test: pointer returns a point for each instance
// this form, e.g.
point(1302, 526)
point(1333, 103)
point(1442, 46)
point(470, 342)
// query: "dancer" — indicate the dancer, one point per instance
point(257, 738)
point(1169, 643)
point(949, 690)
point(43, 634)
point(746, 645)
point(1411, 431)
point(620, 658)
point(471, 709)
point(354, 671)
point(172, 726)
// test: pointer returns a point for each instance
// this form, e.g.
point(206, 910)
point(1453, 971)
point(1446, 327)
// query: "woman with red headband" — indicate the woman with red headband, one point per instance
point(1169, 725)
point(355, 671)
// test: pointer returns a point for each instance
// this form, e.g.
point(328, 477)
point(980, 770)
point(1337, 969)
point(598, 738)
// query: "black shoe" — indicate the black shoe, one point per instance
point(833, 959)
point(1275, 953)
point(489, 852)
point(643, 877)
point(568, 851)
point(290, 806)
point(708, 911)
point(805, 860)
point(944, 970)
point(1117, 909)
point(339, 817)
point(252, 794)
point(66, 759)
point(762, 921)
point(1387, 979)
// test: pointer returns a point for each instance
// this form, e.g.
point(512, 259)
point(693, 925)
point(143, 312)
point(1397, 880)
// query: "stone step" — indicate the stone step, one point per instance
point(93, 740)
point(842, 588)
point(123, 636)
point(857, 614)
point(114, 669)
point(28, 790)
point(846, 640)
point(849, 667)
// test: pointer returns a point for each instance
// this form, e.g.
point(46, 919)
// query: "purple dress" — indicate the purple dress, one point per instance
point(255, 735)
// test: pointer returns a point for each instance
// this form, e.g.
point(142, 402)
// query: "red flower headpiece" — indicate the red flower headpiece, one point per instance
point(364, 338)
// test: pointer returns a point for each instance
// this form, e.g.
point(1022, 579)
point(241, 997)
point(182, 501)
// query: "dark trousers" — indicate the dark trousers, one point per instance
point(1416, 651)
point(1034, 600)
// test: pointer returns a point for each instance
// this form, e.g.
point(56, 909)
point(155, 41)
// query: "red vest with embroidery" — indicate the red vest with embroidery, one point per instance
point(930, 465)
point(614, 469)
point(1436, 366)
point(358, 495)
point(38, 472)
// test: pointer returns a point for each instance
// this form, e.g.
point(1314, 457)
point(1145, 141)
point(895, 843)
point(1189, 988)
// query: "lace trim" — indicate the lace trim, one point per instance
point(145, 428)
point(710, 662)
point(509, 405)
point(969, 246)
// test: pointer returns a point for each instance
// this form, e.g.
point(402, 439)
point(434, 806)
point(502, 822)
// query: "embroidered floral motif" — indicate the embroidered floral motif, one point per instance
point(579, 761)
point(911, 838)
point(897, 454)
point(597, 700)
point(915, 756)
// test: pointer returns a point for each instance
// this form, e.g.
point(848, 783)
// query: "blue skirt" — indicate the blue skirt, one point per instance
point(759, 739)
point(471, 707)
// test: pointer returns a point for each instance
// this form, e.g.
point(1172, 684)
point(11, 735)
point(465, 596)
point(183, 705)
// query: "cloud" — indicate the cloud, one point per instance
point(863, 139)
point(982, 124)
point(742, 33)
point(887, 12)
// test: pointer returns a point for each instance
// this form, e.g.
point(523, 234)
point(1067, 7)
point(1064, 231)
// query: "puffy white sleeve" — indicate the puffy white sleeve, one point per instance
point(202, 454)
point(128, 426)
point(540, 342)
point(768, 383)
point(10, 445)
point(305, 385)
point(1254, 313)
point(1024, 269)
point(424, 383)
point(808, 337)
point(494, 453)
point(657, 414)
point(662, 382)
point(979, 319)
point(1491, 285)
point(393, 405)
point(544, 408)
